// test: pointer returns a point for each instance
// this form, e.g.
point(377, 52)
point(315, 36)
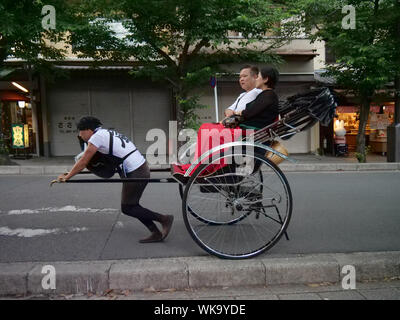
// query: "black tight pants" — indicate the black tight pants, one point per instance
point(131, 194)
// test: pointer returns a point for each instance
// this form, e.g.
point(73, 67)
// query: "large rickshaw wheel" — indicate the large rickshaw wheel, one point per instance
point(209, 219)
point(242, 215)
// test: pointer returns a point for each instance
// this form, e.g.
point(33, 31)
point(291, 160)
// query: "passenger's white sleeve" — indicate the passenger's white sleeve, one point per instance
point(252, 95)
point(233, 106)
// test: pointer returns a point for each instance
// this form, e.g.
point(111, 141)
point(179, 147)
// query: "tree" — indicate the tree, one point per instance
point(184, 42)
point(22, 36)
point(26, 32)
point(365, 52)
point(4, 159)
point(393, 37)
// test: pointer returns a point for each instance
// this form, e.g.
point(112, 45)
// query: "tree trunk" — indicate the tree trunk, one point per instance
point(397, 99)
point(361, 153)
point(179, 118)
point(4, 157)
point(397, 77)
point(3, 49)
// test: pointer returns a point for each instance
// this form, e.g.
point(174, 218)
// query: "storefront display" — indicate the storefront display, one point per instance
point(18, 136)
point(17, 127)
point(379, 119)
point(341, 147)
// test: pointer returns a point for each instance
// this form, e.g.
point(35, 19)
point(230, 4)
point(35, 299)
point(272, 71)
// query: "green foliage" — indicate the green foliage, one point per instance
point(365, 55)
point(182, 42)
point(22, 34)
point(368, 56)
point(189, 106)
point(362, 156)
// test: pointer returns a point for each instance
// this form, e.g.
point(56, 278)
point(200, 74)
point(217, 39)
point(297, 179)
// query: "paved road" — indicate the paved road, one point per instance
point(333, 212)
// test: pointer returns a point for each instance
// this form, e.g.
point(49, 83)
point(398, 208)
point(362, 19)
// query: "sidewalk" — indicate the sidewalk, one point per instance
point(315, 276)
point(307, 273)
point(367, 290)
point(305, 162)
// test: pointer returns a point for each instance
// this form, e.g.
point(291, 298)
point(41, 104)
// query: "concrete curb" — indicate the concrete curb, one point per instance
point(304, 167)
point(285, 167)
point(194, 272)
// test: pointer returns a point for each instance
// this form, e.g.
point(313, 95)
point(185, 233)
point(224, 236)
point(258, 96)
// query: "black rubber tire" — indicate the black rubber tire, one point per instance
point(252, 253)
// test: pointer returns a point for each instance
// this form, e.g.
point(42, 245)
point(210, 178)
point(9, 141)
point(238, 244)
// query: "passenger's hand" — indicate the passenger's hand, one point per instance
point(228, 113)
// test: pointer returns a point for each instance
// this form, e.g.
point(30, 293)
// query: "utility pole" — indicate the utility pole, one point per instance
point(393, 131)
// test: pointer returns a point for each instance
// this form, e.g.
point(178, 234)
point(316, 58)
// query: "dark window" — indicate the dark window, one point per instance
point(329, 56)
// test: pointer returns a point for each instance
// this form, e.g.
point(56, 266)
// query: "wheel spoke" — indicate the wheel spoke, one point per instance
point(227, 215)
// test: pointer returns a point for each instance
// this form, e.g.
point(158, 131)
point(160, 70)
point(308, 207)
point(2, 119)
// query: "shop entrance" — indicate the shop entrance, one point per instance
point(16, 128)
point(380, 117)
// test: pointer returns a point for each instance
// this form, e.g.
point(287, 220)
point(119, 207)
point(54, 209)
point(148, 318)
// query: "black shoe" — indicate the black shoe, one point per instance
point(167, 226)
point(154, 237)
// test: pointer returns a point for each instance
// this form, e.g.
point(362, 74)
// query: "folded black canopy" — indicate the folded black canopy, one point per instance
point(300, 112)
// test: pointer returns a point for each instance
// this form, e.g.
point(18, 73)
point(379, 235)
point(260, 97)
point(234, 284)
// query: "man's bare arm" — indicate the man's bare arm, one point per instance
point(81, 164)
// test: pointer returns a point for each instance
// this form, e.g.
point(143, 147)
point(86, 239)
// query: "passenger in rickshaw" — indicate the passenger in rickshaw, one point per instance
point(247, 80)
point(260, 112)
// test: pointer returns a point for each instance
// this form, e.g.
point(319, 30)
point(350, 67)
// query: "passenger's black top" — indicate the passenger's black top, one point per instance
point(262, 111)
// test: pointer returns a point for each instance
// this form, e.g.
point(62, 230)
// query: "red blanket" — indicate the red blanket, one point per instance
point(211, 135)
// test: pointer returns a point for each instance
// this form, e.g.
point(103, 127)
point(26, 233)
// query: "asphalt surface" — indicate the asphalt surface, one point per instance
point(333, 212)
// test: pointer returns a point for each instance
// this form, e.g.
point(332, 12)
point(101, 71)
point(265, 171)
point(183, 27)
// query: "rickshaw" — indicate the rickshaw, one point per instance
point(243, 208)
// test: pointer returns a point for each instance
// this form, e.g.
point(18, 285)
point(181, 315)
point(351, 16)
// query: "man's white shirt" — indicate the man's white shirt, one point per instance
point(121, 147)
point(243, 99)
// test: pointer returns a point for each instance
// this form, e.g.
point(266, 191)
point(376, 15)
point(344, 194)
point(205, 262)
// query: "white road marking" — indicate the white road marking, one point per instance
point(23, 211)
point(29, 233)
point(68, 208)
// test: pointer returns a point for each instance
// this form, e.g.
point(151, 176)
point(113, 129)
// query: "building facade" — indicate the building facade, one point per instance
point(133, 107)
